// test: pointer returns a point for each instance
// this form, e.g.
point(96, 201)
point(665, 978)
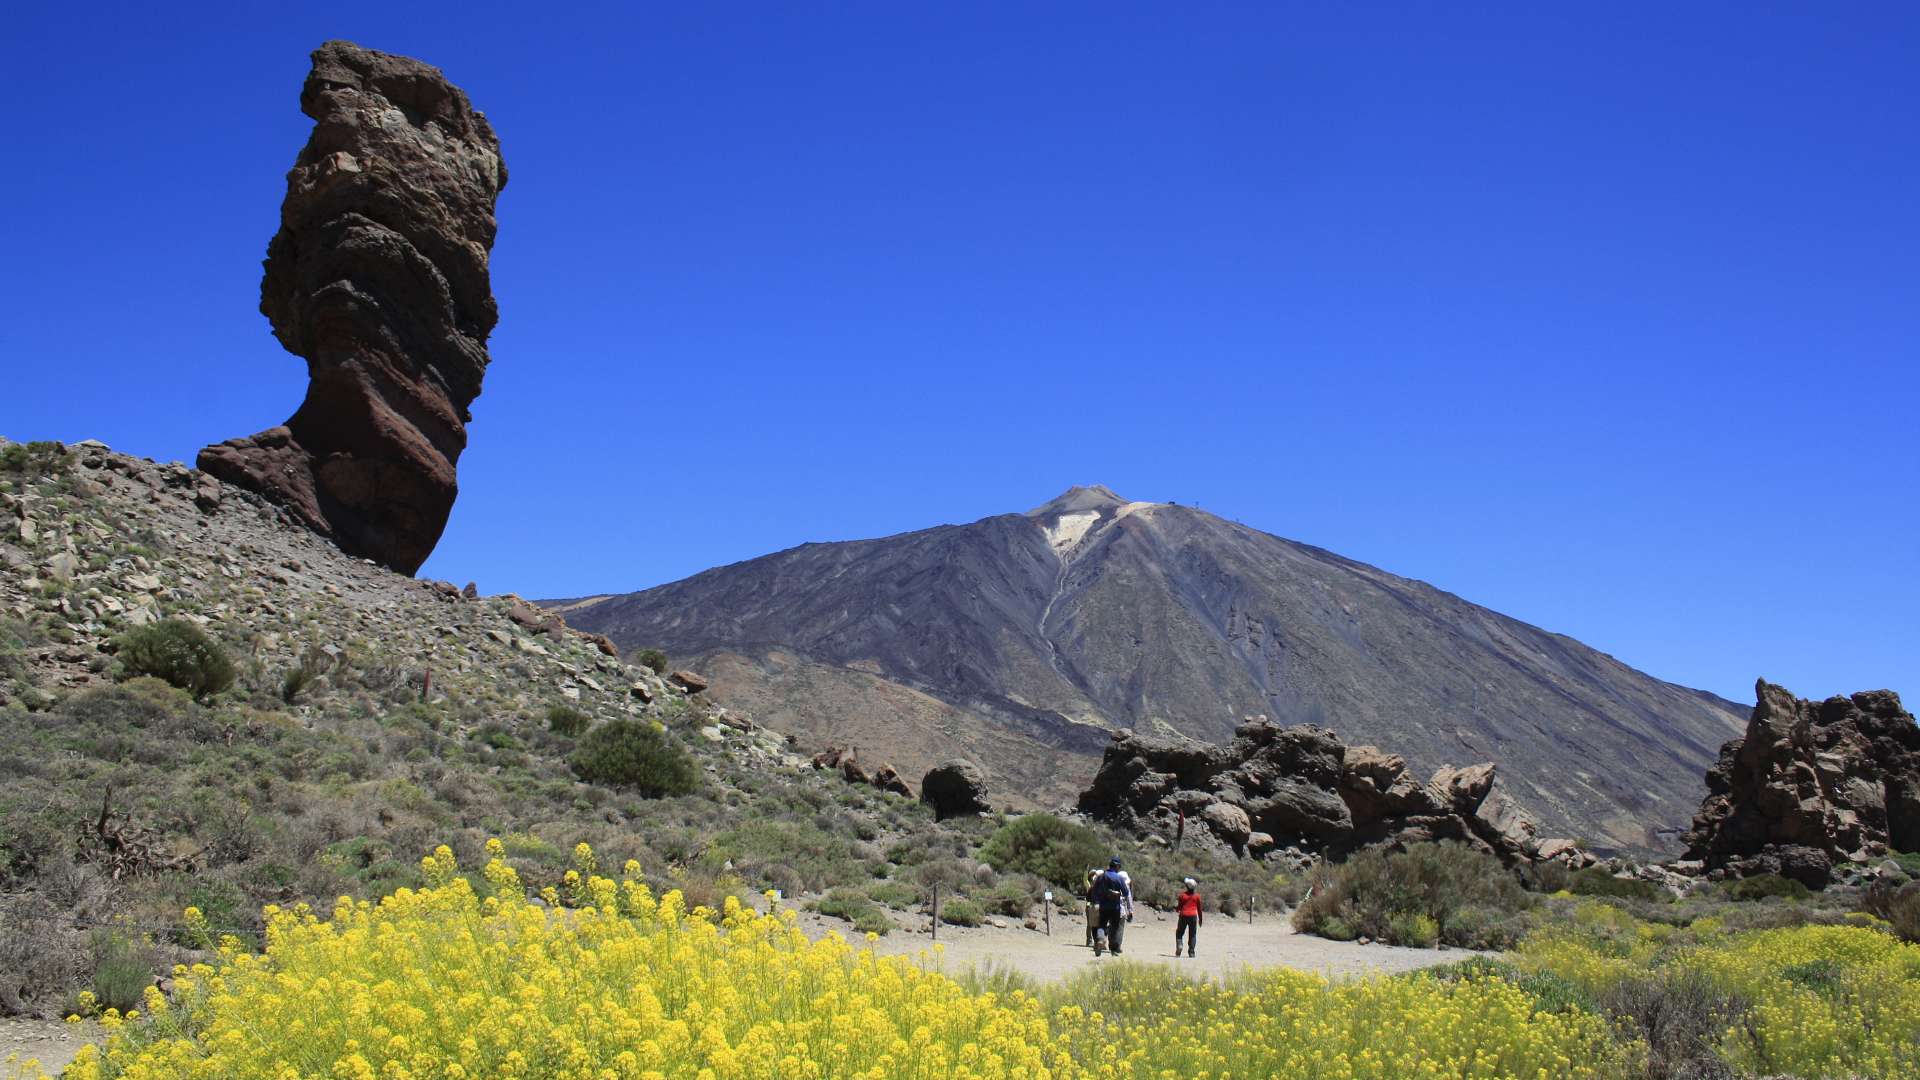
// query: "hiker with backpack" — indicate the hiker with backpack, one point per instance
point(1111, 895)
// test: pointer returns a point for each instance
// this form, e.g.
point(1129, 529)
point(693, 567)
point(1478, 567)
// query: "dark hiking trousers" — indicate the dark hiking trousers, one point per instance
point(1111, 927)
point(1190, 926)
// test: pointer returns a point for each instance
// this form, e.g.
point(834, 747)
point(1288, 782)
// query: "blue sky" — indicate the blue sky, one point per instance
point(1606, 319)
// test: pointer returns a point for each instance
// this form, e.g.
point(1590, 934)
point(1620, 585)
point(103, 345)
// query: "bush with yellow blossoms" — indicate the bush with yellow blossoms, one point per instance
point(606, 981)
point(1813, 1001)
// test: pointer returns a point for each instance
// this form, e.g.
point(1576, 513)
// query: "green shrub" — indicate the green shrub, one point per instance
point(653, 659)
point(1594, 881)
point(1047, 847)
point(855, 907)
point(178, 652)
point(122, 970)
point(40, 457)
point(631, 753)
point(569, 721)
point(894, 894)
point(1010, 897)
point(1899, 904)
point(1546, 877)
point(1416, 930)
point(1461, 893)
point(961, 911)
point(1763, 887)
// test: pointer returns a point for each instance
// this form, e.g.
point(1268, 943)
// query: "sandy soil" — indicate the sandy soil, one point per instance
point(49, 1042)
point(1225, 947)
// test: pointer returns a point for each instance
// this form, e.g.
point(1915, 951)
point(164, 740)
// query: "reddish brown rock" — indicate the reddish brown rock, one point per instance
point(888, 778)
point(689, 681)
point(378, 277)
point(1812, 785)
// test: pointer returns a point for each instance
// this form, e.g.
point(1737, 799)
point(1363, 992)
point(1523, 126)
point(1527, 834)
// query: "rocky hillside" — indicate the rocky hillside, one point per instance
point(1023, 640)
point(369, 717)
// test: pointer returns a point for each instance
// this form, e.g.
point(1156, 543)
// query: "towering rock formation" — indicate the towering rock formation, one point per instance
point(378, 278)
point(1301, 787)
point(1812, 784)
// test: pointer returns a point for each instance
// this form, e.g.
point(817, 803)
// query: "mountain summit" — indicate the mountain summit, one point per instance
point(1023, 641)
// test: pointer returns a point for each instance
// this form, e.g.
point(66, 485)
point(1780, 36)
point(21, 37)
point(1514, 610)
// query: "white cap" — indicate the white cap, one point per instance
point(1190, 883)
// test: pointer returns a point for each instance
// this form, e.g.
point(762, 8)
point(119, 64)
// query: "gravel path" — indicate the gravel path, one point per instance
point(1225, 946)
point(49, 1042)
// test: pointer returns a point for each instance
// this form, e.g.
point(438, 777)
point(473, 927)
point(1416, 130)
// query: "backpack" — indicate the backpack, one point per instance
point(1108, 889)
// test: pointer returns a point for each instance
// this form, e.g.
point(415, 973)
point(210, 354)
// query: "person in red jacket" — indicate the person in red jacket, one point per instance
point(1190, 916)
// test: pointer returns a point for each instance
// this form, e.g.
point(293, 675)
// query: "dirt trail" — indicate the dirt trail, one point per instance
point(50, 1042)
point(1225, 947)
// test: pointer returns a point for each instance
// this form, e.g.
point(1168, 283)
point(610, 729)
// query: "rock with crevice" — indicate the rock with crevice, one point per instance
point(1811, 786)
point(378, 278)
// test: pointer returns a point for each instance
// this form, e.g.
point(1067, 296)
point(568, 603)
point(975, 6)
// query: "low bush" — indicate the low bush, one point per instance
point(961, 911)
point(1047, 847)
point(1461, 894)
point(894, 894)
point(855, 907)
point(122, 970)
point(567, 720)
point(1594, 881)
point(178, 652)
point(638, 755)
point(1010, 897)
point(652, 659)
point(1764, 887)
point(1898, 904)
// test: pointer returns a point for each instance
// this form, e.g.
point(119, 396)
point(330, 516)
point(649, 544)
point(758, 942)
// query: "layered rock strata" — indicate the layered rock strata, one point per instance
point(378, 277)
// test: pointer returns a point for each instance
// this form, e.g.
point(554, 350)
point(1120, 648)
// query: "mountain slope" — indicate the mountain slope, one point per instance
point(1091, 613)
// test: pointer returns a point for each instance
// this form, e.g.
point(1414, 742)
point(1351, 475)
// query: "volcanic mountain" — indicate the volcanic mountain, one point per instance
point(1023, 640)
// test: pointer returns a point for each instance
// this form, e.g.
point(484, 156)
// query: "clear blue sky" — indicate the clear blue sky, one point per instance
point(1605, 319)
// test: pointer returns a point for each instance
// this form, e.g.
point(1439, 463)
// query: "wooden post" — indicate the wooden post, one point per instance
point(1049, 903)
point(1249, 909)
point(936, 911)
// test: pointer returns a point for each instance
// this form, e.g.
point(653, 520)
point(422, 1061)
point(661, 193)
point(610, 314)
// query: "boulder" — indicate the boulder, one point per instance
point(1229, 823)
point(688, 681)
point(1810, 786)
point(1299, 787)
point(378, 279)
point(887, 778)
point(956, 788)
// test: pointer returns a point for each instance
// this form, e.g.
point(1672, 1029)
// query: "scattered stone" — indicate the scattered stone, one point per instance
point(471, 592)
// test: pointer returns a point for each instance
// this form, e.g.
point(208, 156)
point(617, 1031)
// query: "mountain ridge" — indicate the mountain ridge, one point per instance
point(1092, 613)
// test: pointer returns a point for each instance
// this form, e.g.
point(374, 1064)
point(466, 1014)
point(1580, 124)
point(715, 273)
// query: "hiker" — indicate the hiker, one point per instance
point(1190, 916)
point(1093, 909)
point(1111, 895)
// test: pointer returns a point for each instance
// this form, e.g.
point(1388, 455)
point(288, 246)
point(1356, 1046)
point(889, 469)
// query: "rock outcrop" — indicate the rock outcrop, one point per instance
point(955, 789)
point(378, 277)
point(1300, 788)
point(846, 761)
point(1812, 785)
